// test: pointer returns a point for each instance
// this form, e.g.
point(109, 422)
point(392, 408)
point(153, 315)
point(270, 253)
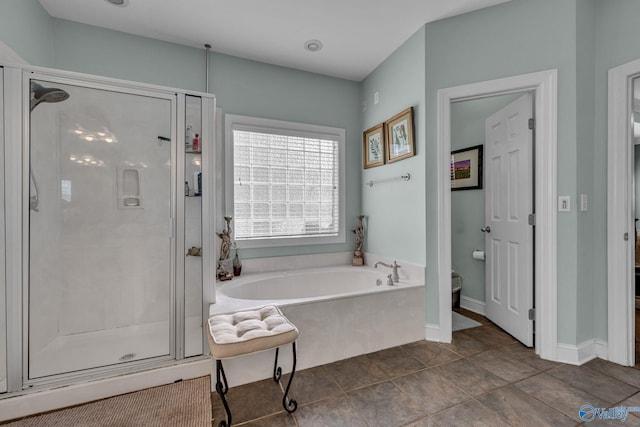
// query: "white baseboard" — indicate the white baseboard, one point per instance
point(583, 352)
point(602, 349)
point(48, 400)
point(472, 305)
point(432, 332)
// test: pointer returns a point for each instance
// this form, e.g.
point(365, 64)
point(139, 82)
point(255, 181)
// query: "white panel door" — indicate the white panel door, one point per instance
point(509, 201)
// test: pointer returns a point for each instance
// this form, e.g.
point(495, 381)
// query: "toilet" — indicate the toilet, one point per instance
point(456, 287)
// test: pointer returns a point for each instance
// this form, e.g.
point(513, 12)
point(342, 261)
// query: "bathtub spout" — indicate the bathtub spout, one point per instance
point(395, 277)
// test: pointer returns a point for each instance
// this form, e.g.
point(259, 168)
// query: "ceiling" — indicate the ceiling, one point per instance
point(358, 35)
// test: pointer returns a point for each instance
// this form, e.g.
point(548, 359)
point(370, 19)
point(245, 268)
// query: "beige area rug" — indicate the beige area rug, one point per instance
point(183, 404)
point(460, 322)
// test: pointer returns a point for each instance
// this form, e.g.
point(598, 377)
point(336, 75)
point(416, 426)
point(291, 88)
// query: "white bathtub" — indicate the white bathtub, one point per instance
point(340, 312)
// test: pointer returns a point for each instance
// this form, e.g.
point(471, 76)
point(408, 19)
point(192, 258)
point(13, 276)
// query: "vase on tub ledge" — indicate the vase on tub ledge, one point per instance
point(237, 264)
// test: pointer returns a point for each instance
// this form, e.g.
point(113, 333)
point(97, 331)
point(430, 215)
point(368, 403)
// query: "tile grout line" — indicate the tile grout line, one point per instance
point(345, 396)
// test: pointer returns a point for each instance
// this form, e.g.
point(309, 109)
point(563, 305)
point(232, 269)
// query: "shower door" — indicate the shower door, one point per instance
point(100, 287)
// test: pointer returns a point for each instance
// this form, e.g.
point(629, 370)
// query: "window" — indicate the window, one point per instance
point(284, 182)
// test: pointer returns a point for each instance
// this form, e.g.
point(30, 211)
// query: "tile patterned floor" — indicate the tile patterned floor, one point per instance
point(483, 378)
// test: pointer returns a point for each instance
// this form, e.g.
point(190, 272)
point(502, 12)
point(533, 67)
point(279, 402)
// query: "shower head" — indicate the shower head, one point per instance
point(46, 94)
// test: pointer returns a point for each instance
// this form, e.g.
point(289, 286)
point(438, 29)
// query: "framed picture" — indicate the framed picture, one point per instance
point(400, 143)
point(466, 168)
point(373, 146)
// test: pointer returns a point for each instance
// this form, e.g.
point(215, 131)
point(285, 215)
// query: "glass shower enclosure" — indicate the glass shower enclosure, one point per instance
point(106, 287)
point(100, 251)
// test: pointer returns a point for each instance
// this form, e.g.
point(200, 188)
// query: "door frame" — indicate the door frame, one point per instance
point(620, 173)
point(544, 85)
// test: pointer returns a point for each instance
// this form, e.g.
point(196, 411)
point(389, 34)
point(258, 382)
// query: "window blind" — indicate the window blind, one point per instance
point(285, 183)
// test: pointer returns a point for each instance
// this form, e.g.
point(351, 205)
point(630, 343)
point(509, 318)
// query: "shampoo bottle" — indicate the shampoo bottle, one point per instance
point(196, 143)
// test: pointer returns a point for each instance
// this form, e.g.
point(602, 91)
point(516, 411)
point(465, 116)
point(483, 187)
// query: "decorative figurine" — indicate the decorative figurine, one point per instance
point(225, 248)
point(358, 259)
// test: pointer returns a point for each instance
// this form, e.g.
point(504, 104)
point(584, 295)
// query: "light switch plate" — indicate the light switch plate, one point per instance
point(584, 203)
point(564, 204)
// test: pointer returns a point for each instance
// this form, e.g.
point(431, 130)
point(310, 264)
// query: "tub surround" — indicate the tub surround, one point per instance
point(408, 271)
point(333, 327)
point(294, 262)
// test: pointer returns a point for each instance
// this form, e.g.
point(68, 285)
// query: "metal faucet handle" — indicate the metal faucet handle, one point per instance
point(390, 280)
point(396, 276)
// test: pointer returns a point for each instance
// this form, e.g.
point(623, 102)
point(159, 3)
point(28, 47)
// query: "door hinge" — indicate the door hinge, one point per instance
point(532, 124)
point(626, 237)
point(532, 219)
point(532, 314)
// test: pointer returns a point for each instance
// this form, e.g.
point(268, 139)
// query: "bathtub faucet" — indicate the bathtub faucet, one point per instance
point(393, 266)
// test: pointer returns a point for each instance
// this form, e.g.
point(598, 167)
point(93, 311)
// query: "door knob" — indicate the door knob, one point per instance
point(486, 229)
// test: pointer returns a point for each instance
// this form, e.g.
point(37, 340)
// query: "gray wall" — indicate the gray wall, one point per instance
point(395, 210)
point(94, 50)
point(475, 47)
point(617, 35)
point(27, 29)
point(586, 241)
point(257, 89)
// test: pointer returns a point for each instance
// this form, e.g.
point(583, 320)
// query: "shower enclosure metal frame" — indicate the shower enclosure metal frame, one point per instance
point(17, 209)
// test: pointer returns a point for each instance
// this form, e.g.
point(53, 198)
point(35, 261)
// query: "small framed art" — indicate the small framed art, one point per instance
point(399, 131)
point(466, 168)
point(373, 146)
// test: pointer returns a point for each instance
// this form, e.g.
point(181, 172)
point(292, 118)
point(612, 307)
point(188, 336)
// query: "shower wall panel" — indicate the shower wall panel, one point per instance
point(100, 271)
